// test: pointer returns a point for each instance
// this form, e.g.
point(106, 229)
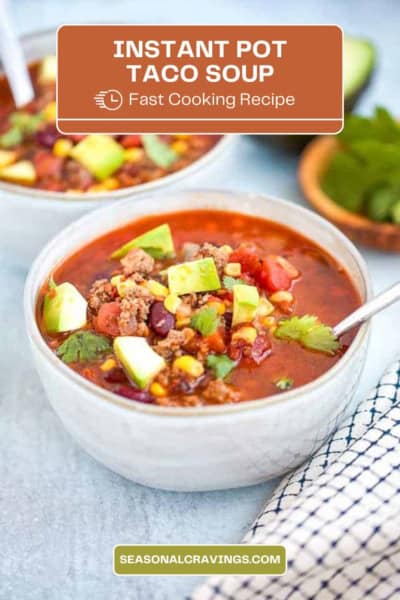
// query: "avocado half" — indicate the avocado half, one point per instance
point(359, 61)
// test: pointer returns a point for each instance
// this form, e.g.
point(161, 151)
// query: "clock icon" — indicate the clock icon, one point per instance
point(109, 99)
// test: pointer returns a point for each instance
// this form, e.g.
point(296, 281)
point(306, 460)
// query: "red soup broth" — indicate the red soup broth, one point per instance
point(323, 289)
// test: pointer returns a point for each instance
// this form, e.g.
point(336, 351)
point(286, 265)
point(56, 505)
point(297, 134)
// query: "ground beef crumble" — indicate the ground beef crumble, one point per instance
point(220, 255)
point(137, 262)
point(174, 343)
point(135, 307)
point(218, 392)
point(100, 293)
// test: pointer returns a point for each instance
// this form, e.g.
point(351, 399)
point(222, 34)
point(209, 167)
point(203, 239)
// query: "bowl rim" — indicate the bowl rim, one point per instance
point(96, 199)
point(309, 177)
point(97, 393)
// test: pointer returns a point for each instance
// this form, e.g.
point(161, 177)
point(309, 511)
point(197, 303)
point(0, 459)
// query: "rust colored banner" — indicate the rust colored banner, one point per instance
point(200, 79)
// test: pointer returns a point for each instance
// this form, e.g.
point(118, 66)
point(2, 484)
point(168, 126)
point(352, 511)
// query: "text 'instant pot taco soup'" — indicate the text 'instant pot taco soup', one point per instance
point(197, 308)
point(33, 153)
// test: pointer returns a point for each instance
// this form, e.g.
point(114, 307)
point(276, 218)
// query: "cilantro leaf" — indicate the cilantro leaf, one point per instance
point(363, 176)
point(205, 321)
point(380, 203)
point(284, 383)
point(83, 346)
point(345, 181)
point(229, 282)
point(309, 332)
point(221, 365)
point(158, 151)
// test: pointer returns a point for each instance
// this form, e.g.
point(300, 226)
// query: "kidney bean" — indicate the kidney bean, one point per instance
point(161, 321)
point(261, 348)
point(116, 375)
point(48, 136)
point(132, 393)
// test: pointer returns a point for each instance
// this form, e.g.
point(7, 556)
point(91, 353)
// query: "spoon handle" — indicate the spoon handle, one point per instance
point(13, 59)
point(369, 309)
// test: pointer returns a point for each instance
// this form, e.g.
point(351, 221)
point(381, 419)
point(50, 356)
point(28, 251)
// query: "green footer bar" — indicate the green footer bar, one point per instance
point(239, 559)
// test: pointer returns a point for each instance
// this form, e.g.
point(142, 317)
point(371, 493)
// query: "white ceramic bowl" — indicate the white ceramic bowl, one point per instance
point(203, 448)
point(30, 217)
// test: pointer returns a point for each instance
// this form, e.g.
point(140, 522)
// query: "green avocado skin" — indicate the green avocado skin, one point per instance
point(296, 143)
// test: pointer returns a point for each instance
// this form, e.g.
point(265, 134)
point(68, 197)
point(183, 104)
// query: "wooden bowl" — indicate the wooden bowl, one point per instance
point(313, 164)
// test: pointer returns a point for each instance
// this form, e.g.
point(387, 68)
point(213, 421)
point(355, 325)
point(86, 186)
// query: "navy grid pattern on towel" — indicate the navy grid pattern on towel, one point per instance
point(338, 515)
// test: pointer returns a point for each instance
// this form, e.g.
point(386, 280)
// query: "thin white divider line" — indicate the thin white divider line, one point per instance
point(194, 119)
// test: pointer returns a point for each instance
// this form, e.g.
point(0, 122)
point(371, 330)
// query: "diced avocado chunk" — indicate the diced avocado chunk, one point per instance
point(48, 70)
point(100, 154)
point(245, 303)
point(157, 242)
point(20, 172)
point(139, 360)
point(194, 276)
point(158, 151)
point(64, 309)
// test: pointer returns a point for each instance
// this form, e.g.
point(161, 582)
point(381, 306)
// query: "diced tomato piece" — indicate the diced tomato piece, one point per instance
point(107, 319)
point(215, 342)
point(48, 165)
point(131, 141)
point(251, 263)
point(268, 273)
point(273, 276)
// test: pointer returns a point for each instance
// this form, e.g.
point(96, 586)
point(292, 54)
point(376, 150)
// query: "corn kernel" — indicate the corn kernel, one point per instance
point(265, 308)
point(62, 147)
point(227, 249)
point(233, 269)
point(7, 157)
point(189, 365)
point(172, 302)
point(157, 289)
point(269, 323)
point(108, 364)
point(158, 390)
point(218, 306)
point(182, 136)
point(246, 333)
point(97, 187)
point(133, 155)
point(281, 296)
point(182, 322)
point(111, 183)
point(180, 146)
point(50, 112)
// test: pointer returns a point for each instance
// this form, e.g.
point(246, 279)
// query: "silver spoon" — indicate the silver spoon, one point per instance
point(13, 59)
point(366, 311)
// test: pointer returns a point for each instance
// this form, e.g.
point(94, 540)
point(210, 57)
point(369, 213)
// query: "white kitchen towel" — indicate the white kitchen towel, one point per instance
point(338, 515)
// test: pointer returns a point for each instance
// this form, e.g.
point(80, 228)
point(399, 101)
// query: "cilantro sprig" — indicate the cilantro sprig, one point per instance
point(83, 346)
point(363, 176)
point(220, 364)
point(309, 332)
point(205, 321)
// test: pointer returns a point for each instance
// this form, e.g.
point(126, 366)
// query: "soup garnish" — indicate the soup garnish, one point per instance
point(34, 153)
point(199, 307)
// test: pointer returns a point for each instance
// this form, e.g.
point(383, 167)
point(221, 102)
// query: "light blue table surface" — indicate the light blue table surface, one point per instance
point(60, 512)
